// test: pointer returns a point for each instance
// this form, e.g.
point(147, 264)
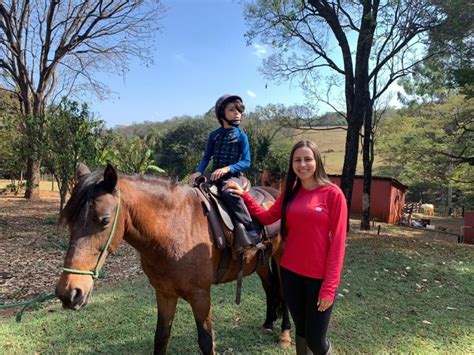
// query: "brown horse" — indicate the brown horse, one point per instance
point(164, 222)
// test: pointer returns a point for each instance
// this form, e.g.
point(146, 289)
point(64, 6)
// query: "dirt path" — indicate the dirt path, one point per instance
point(32, 249)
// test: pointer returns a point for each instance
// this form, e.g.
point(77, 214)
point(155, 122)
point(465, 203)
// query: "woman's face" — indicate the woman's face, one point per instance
point(304, 164)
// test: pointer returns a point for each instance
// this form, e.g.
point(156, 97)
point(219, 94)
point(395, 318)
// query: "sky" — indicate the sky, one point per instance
point(201, 54)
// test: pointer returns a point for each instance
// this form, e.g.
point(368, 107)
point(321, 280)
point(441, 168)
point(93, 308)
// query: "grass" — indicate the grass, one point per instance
point(44, 185)
point(332, 146)
point(397, 295)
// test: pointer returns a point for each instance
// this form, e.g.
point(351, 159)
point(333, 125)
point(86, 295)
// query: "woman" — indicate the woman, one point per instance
point(313, 215)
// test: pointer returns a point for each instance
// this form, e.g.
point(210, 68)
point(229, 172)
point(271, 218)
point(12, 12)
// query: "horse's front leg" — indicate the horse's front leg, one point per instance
point(200, 301)
point(166, 309)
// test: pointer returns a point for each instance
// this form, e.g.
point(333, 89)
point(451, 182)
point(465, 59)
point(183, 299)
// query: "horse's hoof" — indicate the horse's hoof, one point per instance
point(267, 330)
point(285, 340)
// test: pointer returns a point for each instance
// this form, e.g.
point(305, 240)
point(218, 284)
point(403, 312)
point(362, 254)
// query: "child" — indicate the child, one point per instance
point(229, 148)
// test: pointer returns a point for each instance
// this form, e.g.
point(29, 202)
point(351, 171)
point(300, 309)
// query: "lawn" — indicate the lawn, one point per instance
point(398, 295)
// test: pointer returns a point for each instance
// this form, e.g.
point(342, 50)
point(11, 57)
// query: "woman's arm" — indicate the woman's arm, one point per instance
point(264, 216)
point(337, 244)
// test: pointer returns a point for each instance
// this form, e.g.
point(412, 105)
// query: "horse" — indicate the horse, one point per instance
point(164, 222)
point(428, 209)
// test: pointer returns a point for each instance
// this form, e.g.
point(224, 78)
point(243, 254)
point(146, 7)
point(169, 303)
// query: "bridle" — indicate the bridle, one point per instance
point(95, 273)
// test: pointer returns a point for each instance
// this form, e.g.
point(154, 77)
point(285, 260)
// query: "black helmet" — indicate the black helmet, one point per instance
point(221, 102)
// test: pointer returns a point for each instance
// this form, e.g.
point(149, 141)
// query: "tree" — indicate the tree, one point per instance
point(130, 154)
point(449, 68)
point(51, 47)
point(303, 33)
point(431, 149)
point(263, 128)
point(70, 138)
point(12, 156)
point(182, 147)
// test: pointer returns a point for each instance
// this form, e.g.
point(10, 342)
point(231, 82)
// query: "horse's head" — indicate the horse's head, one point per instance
point(96, 229)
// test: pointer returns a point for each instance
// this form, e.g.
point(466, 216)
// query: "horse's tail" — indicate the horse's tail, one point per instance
point(279, 302)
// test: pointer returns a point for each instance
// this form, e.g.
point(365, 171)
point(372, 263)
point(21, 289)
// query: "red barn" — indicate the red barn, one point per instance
point(387, 197)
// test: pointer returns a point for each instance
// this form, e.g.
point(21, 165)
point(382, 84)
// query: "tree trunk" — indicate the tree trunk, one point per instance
point(32, 178)
point(368, 158)
point(350, 159)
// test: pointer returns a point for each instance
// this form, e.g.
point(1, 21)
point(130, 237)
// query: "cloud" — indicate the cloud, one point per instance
point(259, 50)
point(251, 94)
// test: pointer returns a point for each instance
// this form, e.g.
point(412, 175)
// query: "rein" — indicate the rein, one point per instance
point(95, 273)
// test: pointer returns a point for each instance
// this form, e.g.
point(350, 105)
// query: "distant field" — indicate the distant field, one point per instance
point(331, 143)
point(44, 185)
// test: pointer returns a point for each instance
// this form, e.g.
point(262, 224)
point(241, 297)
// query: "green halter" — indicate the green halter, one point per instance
point(95, 273)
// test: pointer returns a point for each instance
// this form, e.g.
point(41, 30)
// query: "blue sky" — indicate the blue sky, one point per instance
point(200, 54)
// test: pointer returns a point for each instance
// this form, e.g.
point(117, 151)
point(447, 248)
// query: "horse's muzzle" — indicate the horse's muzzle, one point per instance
point(73, 296)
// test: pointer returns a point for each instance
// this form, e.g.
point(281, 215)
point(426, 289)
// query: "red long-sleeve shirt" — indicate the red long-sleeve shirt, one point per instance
point(316, 233)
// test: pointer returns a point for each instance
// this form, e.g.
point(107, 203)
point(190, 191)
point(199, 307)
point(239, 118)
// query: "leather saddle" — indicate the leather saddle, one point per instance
point(220, 222)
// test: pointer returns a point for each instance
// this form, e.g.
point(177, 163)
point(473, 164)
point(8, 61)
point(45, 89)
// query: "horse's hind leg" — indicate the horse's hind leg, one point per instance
point(271, 314)
point(166, 310)
point(201, 305)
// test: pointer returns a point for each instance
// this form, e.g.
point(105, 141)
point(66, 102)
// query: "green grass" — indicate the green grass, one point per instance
point(397, 295)
point(332, 146)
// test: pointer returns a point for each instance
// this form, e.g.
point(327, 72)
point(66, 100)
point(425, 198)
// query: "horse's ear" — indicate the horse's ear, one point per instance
point(110, 178)
point(82, 171)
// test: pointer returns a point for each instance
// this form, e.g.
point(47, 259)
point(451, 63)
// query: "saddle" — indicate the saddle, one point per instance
point(220, 222)
point(224, 232)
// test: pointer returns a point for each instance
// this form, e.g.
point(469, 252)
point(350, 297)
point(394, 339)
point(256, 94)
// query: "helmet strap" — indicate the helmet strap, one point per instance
point(233, 123)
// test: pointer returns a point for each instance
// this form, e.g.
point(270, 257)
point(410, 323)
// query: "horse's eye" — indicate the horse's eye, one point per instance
point(105, 221)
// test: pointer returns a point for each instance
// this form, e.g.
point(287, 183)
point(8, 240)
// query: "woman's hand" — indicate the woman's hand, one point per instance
point(233, 187)
point(218, 173)
point(323, 304)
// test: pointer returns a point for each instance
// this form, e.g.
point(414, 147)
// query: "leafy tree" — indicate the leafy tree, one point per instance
point(70, 138)
point(431, 148)
point(264, 130)
point(12, 156)
point(50, 48)
point(182, 147)
point(381, 34)
point(130, 154)
point(449, 67)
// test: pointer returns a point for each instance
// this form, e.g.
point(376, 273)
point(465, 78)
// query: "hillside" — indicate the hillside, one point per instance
point(331, 144)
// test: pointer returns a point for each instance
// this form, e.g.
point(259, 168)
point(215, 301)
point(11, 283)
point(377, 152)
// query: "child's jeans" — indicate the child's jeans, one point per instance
point(235, 204)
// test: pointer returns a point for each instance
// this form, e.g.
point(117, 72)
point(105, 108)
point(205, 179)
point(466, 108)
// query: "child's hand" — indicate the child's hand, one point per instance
point(218, 173)
point(193, 177)
point(233, 187)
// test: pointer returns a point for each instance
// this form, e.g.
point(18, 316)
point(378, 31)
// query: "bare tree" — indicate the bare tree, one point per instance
point(51, 48)
point(364, 45)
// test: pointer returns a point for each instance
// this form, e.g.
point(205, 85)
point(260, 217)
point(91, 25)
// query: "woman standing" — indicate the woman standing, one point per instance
point(313, 217)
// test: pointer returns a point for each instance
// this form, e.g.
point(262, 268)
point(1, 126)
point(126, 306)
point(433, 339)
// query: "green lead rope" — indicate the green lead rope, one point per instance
point(95, 273)
point(26, 304)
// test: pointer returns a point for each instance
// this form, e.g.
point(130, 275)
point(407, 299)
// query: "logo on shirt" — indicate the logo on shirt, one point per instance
point(318, 209)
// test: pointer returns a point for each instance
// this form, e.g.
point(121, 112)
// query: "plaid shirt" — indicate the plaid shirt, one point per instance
point(227, 147)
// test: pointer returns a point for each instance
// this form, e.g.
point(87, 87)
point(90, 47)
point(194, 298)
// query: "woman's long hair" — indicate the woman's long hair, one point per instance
point(292, 184)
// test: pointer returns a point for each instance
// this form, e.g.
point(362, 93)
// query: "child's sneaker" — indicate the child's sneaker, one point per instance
point(255, 238)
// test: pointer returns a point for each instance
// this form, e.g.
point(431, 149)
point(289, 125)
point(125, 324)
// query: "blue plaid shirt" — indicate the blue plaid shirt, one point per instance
point(227, 147)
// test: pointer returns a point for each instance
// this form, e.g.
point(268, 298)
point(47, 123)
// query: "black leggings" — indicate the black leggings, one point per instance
point(301, 294)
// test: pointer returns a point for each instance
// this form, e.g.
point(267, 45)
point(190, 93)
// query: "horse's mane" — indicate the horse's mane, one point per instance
point(91, 185)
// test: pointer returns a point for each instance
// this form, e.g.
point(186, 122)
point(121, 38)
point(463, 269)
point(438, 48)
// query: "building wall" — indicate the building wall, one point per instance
point(385, 206)
point(386, 201)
